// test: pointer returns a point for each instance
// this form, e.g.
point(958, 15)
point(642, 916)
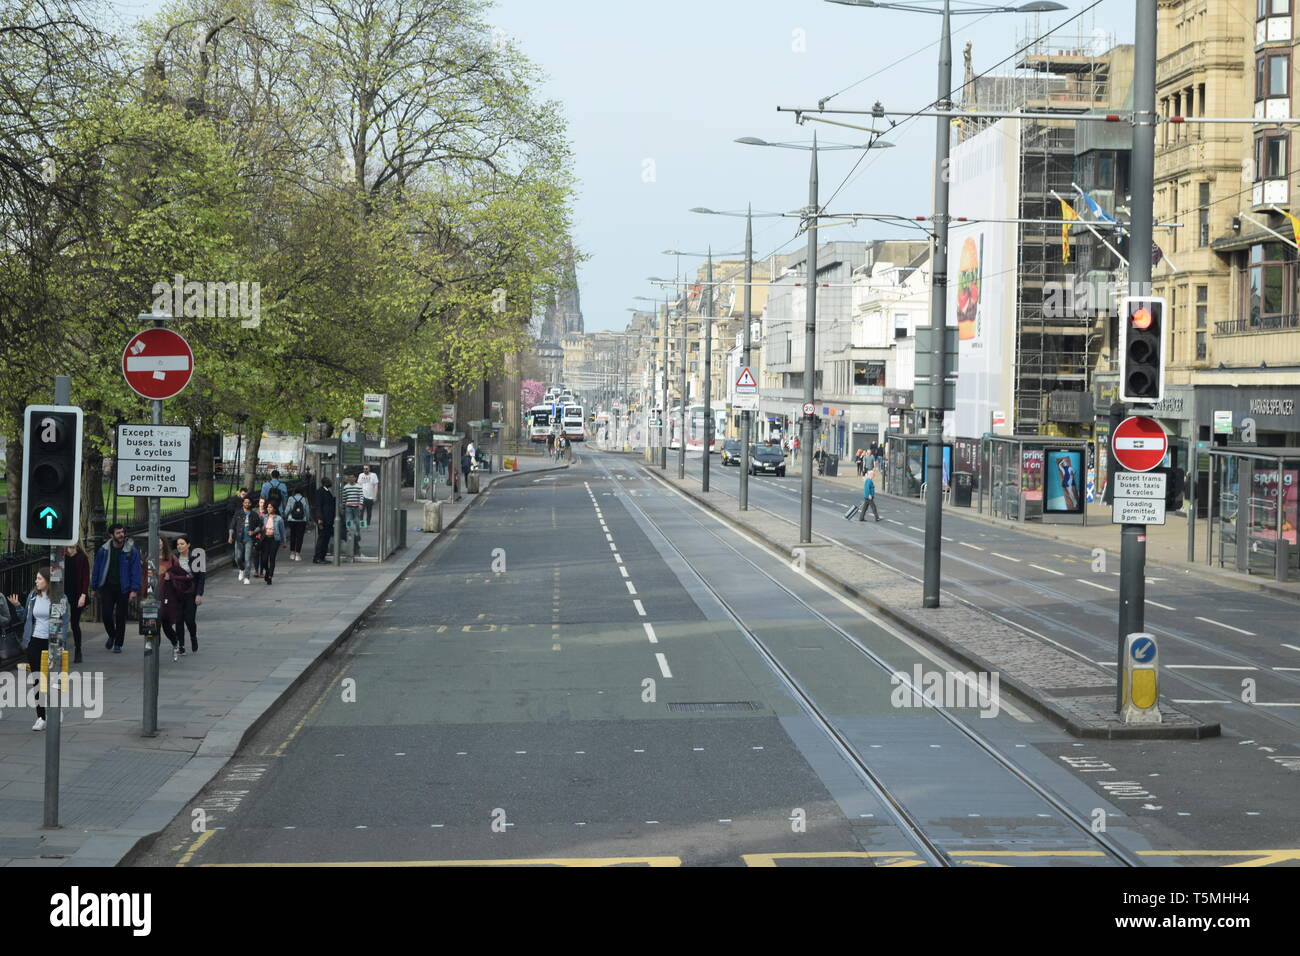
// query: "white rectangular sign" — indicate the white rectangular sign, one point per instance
point(1138, 511)
point(1140, 484)
point(153, 443)
point(744, 401)
point(153, 479)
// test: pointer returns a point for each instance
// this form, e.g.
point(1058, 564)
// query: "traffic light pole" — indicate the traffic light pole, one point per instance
point(53, 703)
point(707, 328)
point(1133, 537)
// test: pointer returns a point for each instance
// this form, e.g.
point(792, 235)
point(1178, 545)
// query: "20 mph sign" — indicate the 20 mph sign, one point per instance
point(1139, 444)
point(157, 363)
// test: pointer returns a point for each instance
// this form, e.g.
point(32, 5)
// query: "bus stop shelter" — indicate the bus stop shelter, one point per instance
point(1252, 518)
point(386, 531)
point(1035, 478)
point(427, 478)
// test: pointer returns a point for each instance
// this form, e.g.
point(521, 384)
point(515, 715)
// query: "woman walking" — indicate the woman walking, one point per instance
point(76, 587)
point(182, 590)
point(35, 615)
point(272, 538)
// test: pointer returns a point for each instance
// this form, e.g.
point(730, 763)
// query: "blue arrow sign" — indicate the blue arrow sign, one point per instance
point(1143, 650)
point(49, 516)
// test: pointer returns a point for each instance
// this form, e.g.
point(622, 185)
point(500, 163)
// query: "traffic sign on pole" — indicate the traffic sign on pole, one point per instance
point(157, 363)
point(1139, 444)
point(746, 384)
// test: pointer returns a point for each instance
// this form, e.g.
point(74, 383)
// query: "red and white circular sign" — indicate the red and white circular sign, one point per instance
point(1139, 444)
point(157, 363)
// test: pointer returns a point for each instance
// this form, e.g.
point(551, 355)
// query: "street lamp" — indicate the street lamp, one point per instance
point(746, 418)
point(810, 318)
point(663, 410)
point(931, 370)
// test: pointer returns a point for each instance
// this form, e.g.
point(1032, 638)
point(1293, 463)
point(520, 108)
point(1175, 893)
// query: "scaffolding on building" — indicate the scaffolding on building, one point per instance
point(1055, 350)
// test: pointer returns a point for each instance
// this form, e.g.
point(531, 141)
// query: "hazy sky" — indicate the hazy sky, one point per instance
point(655, 93)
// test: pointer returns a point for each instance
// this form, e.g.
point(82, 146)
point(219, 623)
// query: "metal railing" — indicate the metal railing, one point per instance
point(1263, 323)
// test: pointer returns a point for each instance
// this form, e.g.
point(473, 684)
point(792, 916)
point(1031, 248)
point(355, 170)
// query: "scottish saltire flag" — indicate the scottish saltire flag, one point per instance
point(1098, 214)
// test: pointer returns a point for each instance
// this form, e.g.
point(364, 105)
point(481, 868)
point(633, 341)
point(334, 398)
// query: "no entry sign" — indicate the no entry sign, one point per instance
point(157, 363)
point(1139, 444)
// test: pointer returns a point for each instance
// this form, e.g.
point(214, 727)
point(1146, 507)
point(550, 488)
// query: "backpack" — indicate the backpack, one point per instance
point(274, 494)
point(297, 512)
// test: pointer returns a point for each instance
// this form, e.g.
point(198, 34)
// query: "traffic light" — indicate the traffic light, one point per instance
point(51, 497)
point(1175, 487)
point(1142, 349)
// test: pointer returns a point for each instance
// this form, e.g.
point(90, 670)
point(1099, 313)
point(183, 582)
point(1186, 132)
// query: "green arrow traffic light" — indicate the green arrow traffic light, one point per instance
point(49, 516)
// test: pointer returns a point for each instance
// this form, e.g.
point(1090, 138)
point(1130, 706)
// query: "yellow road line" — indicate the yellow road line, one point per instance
point(544, 861)
point(198, 844)
point(279, 751)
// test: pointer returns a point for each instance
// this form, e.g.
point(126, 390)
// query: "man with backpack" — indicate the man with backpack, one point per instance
point(275, 490)
point(296, 515)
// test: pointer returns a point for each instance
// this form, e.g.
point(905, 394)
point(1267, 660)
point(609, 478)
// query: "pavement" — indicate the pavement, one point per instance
point(594, 671)
point(1166, 544)
point(256, 645)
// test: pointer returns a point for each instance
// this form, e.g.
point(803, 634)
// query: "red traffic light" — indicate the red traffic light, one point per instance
point(1141, 319)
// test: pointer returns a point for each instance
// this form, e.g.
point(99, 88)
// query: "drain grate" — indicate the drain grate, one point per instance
point(713, 706)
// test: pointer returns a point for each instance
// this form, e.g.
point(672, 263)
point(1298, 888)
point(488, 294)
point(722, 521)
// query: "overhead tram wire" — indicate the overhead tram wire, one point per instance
point(894, 125)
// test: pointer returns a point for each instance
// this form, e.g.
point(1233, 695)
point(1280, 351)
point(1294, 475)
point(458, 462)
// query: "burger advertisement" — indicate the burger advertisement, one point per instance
point(968, 289)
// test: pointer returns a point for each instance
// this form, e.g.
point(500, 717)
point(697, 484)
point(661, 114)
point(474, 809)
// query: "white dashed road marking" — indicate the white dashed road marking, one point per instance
point(1208, 620)
point(650, 632)
point(663, 665)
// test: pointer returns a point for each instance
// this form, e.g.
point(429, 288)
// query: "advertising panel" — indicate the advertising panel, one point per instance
point(1064, 480)
point(985, 176)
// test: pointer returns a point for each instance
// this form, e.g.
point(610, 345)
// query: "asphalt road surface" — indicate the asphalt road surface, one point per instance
point(591, 669)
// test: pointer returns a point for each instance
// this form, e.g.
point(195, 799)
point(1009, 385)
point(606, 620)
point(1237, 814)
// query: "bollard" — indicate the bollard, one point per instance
point(1140, 680)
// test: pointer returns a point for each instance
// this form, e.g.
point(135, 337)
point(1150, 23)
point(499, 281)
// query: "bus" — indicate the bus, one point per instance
point(539, 423)
point(575, 428)
point(695, 428)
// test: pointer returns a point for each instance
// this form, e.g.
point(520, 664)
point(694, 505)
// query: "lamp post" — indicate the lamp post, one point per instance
point(746, 415)
point(810, 321)
point(662, 456)
point(932, 372)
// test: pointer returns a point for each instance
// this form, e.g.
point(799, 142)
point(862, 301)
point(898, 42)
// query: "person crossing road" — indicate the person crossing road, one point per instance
point(868, 499)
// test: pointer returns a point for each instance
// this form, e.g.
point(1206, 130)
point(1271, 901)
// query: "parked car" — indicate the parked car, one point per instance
point(767, 459)
point(731, 452)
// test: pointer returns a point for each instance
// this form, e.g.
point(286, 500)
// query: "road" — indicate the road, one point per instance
point(591, 669)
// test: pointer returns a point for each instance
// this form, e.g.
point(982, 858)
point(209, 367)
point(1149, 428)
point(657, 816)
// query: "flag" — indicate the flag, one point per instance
point(1098, 214)
point(1295, 224)
point(1156, 255)
point(1067, 213)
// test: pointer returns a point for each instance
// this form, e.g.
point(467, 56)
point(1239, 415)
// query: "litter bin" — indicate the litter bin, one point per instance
point(831, 463)
point(963, 483)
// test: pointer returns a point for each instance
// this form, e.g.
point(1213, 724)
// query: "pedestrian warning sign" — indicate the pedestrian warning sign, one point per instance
point(746, 384)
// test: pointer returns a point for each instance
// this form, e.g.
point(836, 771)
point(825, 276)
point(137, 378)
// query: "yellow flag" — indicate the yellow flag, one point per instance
point(1067, 212)
point(1295, 224)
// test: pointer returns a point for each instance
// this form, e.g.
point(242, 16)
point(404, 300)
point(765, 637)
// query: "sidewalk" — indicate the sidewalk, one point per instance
point(1166, 544)
point(256, 644)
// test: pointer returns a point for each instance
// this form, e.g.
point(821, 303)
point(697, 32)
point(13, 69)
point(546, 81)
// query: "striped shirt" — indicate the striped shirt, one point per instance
point(352, 496)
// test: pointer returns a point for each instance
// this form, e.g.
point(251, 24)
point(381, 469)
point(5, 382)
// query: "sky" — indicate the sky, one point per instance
point(655, 93)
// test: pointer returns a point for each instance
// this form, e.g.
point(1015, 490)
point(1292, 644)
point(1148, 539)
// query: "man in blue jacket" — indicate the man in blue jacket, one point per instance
point(868, 499)
point(116, 576)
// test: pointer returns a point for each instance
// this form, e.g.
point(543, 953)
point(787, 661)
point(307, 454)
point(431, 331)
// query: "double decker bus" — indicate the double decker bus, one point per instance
point(539, 423)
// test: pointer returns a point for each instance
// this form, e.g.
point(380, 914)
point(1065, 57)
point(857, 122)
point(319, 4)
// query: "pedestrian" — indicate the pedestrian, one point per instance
point(274, 489)
point(369, 483)
point(76, 587)
point(472, 451)
point(244, 532)
point(325, 514)
point(169, 608)
point(258, 563)
point(183, 586)
point(441, 459)
point(272, 537)
point(794, 446)
point(868, 500)
point(296, 515)
point(116, 576)
point(352, 498)
point(550, 445)
point(466, 463)
point(34, 612)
